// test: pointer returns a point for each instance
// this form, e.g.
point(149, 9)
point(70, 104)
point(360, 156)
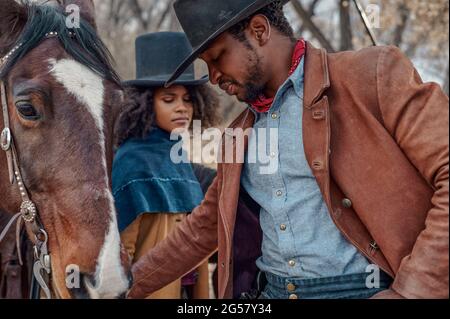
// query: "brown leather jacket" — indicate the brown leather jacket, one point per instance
point(377, 140)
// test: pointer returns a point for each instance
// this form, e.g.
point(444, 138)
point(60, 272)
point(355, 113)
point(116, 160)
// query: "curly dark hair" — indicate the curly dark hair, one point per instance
point(137, 115)
point(275, 15)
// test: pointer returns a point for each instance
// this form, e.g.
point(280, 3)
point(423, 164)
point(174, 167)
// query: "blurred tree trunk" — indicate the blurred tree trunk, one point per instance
point(345, 26)
point(446, 83)
point(400, 30)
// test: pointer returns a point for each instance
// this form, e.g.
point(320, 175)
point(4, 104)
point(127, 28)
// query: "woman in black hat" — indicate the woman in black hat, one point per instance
point(152, 193)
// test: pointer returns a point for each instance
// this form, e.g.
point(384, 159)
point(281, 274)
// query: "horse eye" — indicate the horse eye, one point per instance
point(28, 112)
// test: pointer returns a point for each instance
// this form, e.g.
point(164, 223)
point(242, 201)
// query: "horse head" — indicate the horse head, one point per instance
point(61, 92)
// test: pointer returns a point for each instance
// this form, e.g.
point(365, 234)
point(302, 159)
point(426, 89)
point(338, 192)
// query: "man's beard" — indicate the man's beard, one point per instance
point(252, 88)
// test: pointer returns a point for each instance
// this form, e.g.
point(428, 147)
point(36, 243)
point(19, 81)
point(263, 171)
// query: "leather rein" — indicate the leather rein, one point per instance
point(28, 213)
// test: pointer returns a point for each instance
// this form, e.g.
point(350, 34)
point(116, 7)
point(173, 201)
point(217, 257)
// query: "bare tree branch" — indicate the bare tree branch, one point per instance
point(311, 10)
point(312, 26)
point(138, 13)
point(165, 14)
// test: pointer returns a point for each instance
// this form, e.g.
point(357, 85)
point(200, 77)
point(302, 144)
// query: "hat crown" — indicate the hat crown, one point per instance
point(158, 55)
point(202, 18)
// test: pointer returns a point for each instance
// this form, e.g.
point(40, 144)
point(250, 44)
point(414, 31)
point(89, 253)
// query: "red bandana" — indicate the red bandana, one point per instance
point(263, 104)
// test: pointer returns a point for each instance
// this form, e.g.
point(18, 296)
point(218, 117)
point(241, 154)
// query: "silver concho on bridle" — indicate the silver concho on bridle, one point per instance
point(28, 211)
point(5, 139)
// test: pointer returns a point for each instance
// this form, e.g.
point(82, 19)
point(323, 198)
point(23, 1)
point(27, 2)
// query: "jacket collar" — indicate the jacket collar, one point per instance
point(317, 78)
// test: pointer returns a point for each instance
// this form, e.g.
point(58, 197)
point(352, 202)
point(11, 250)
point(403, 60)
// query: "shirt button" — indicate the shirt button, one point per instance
point(292, 263)
point(283, 227)
point(347, 203)
point(273, 154)
point(279, 193)
point(291, 287)
point(274, 116)
point(293, 296)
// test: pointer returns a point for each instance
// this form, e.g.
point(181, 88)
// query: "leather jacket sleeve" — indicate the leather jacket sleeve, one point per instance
point(184, 250)
point(417, 116)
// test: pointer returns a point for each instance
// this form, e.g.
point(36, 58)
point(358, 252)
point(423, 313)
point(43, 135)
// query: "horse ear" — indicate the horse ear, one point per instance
point(86, 9)
point(13, 17)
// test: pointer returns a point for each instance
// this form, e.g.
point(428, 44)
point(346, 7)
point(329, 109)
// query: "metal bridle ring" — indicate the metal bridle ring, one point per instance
point(5, 139)
point(43, 233)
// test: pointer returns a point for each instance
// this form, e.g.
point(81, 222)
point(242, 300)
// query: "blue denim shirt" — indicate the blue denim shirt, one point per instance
point(300, 239)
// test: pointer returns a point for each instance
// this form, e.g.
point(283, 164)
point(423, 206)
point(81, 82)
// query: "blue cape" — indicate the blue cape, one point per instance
point(145, 180)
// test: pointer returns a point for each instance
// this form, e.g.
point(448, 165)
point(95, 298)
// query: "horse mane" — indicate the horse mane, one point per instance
point(83, 43)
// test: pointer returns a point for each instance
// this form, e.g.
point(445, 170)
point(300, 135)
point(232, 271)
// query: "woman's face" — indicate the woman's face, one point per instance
point(173, 107)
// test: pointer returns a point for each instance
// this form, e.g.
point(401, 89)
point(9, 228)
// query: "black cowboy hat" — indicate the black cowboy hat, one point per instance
point(157, 55)
point(204, 20)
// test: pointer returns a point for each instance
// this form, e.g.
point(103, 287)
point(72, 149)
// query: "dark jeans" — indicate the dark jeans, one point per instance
point(341, 287)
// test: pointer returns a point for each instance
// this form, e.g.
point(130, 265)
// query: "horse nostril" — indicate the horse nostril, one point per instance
point(90, 288)
point(130, 279)
point(87, 283)
point(123, 296)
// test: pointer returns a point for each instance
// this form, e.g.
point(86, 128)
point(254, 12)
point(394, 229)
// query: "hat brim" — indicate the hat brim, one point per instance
point(199, 49)
point(149, 82)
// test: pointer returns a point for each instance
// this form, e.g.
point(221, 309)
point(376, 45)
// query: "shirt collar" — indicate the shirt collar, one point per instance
point(297, 79)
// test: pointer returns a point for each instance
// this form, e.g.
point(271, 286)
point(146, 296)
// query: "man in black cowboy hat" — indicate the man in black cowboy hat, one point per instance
point(358, 204)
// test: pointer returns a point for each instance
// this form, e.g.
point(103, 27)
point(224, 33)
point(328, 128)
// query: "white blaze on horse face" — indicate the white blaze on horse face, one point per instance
point(85, 85)
point(88, 88)
point(107, 285)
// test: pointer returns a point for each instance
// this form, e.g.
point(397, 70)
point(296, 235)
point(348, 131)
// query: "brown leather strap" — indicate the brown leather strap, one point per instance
point(4, 105)
point(8, 226)
point(18, 242)
point(7, 131)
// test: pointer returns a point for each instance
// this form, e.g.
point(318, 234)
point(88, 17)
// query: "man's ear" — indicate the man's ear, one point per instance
point(260, 29)
point(86, 9)
point(13, 17)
